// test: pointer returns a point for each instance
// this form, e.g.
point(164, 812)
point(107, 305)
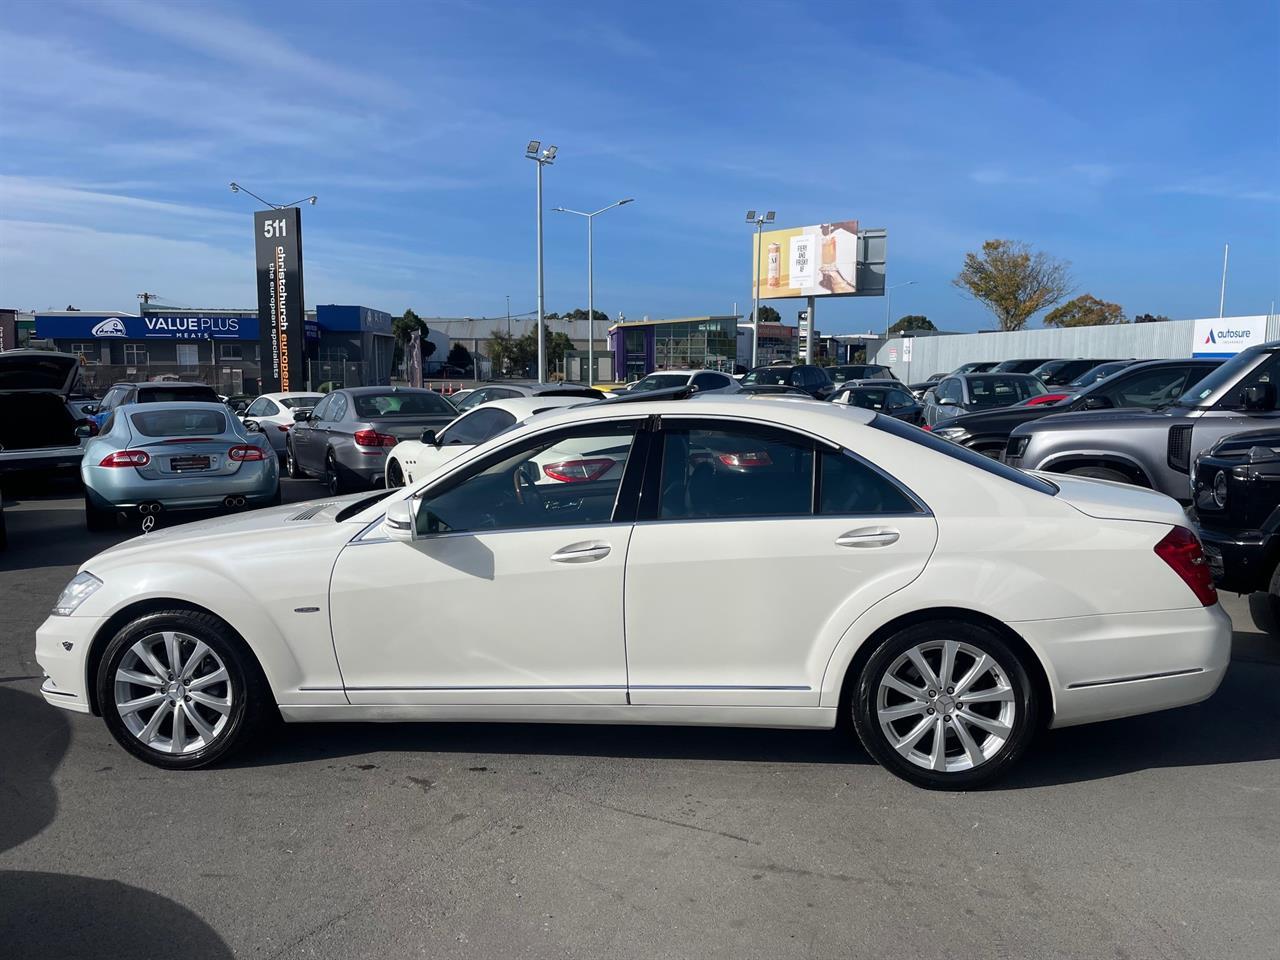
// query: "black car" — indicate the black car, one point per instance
point(1235, 487)
point(954, 396)
point(973, 366)
point(1100, 372)
point(1019, 366)
point(1059, 373)
point(774, 390)
point(812, 380)
point(896, 402)
point(1147, 384)
point(860, 371)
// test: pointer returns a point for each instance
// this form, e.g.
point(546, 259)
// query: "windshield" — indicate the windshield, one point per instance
point(179, 423)
point(301, 403)
point(373, 405)
point(841, 374)
point(1100, 372)
point(868, 399)
point(962, 453)
point(659, 381)
point(993, 390)
point(769, 375)
point(1234, 369)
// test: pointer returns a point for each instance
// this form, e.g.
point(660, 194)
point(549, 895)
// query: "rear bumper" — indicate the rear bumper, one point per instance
point(1121, 665)
point(123, 489)
point(369, 464)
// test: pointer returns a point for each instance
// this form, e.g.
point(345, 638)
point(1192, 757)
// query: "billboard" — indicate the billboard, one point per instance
point(815, 261)
point(130, 326)
point(1227, 337)
point(278, 248)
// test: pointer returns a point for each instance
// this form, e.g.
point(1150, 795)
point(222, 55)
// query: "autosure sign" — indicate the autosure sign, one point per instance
point(278, 245)
point(1228, 336)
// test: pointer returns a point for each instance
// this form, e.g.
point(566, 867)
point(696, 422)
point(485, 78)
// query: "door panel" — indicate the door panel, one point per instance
point(483, 618)
point(749, 611)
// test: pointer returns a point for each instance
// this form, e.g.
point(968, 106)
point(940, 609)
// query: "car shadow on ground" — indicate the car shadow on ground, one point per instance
point(53, 914)
point(1227, 728)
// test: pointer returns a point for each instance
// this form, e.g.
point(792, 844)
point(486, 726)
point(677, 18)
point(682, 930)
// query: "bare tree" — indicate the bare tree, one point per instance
point(1014, 281)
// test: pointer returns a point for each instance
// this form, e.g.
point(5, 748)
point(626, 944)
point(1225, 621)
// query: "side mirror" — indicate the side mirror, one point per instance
point(1259, 397)
point(429, 437)
point(252, 426)
point(86, 430)
point(400, 520)
point(1098, 403)
point(301, 416)
point(90, 409)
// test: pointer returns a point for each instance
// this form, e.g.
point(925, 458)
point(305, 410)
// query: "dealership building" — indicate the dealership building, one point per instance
point(345, 344)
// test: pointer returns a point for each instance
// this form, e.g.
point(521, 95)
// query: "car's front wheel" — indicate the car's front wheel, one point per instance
point(945, 704)
point(395, 476)
point(180, 690)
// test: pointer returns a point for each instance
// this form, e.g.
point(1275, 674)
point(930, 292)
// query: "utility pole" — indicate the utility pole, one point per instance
point(1222, 295)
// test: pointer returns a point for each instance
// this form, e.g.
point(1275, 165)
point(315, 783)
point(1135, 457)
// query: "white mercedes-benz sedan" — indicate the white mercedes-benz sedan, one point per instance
point(756, 563)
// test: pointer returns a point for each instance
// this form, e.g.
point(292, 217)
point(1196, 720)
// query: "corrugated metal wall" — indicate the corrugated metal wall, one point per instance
point(1146, 341)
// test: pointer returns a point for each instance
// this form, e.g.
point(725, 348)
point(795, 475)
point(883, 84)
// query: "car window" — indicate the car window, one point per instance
point(995, 391)
point(322, 408)
point(299, 403)
point(477, 426)
point(337, 409)
point(401, 404)
point(569, 478)
point(868, 399)
point(898, 398)
point(962, 453)
point(179, 423)
point(708, 381)
point(949, 390)
point(848, 487)
point(173, 394)
point(502, 393)
point(1149, 388)
point(258, 408)
point(1266, 372)
point(112, 399)
point(769, 376)
point(664, 381)
point(737, 471)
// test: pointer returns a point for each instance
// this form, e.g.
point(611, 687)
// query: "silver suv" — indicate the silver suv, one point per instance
point(1155, 448)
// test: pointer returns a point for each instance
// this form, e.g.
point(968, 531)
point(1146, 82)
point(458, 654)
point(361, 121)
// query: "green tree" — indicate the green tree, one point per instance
point(505, 352)
point(1013, 281)
point(769, 315)
point(913, 321)
point(1150, 318)
point(402, 328)
point(1085, 311)
point(459, 356)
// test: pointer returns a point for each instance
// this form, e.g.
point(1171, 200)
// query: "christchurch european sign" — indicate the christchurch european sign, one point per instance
point(128, 326)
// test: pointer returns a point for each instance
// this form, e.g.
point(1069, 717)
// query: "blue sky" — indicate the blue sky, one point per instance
point(1130, 138)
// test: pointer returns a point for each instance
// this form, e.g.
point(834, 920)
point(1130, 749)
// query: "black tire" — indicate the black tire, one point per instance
point(1100, 473)
point(4, 535)
point(291, 465)
point(395, 476)
point(333, 478)
point(99, 519)
point(1008, 664)
point(1272, 626)
point(252, 703)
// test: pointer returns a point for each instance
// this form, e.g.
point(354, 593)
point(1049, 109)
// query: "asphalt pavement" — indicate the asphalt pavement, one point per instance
point(1150, 837)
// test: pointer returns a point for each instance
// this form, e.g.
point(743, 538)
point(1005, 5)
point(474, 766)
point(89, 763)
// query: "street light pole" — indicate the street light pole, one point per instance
point(542, 158)
point(755, 311)
point(237, 188)
point(591, 296)
point(1222, 294)
point(887, 292)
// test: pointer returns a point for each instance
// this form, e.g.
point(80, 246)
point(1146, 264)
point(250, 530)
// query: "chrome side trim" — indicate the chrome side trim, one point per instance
point(1146, 676)
point(588, 686)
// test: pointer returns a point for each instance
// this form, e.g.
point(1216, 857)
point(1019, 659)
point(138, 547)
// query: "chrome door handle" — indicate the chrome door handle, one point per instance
point(867, 538)
point(581, 552)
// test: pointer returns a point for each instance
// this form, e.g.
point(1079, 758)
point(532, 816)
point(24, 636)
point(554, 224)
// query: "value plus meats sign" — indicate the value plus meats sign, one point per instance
point(279, 259)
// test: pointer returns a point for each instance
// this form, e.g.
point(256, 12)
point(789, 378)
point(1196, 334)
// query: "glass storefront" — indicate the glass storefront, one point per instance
point(709, 343)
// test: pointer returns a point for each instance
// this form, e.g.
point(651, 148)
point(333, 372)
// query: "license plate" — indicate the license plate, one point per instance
point(182, 464)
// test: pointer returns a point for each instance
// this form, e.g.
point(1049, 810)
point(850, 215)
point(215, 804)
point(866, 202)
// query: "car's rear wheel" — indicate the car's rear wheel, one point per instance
point(98, 519)
point(945, 705)
point(333, 475)
point(395, 476)
point(1100, 473)
point(179, 689)
point(291, 465)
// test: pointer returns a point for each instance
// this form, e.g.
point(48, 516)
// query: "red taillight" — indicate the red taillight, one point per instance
point(1181, 550)
point(578, 471)
point(1046, 398)
point(282, 427)
point(925, 426)
point(372, 438)
point(243, 453)
point(749, 458)
point(126, 458)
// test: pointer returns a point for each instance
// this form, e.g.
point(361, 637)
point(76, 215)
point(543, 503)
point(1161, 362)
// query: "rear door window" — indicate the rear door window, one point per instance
point(849, 487)
point(1149, 388)
point(477, 427)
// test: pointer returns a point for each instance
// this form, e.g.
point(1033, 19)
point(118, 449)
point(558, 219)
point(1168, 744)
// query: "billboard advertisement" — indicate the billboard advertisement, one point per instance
point(129, 326)
point(1227, 337)
point(815, 261)
point(278, 248)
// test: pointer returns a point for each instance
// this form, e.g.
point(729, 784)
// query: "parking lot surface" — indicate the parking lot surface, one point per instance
point(1149, 837)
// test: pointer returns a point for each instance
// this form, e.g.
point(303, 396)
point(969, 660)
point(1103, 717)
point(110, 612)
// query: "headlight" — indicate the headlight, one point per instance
point(951, 433)
point(1220, 489)
point(80, 589)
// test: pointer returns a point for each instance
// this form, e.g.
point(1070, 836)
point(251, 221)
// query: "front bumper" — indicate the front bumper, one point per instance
point(1240, 564)
point(66, 684)
point(1121, 665)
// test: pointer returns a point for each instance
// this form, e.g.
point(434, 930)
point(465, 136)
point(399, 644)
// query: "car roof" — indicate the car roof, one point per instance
point(289, 395)
point(804, 413)
point(365, 391)
point(161, 384)
point(522, 407)
point(170, 405)
point(995, 373)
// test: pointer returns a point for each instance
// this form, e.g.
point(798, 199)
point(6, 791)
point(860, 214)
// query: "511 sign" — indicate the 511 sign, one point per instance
point(278, 248)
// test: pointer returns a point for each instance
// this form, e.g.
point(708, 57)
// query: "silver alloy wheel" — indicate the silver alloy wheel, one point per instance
point(946, 706)
point(173, 692)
